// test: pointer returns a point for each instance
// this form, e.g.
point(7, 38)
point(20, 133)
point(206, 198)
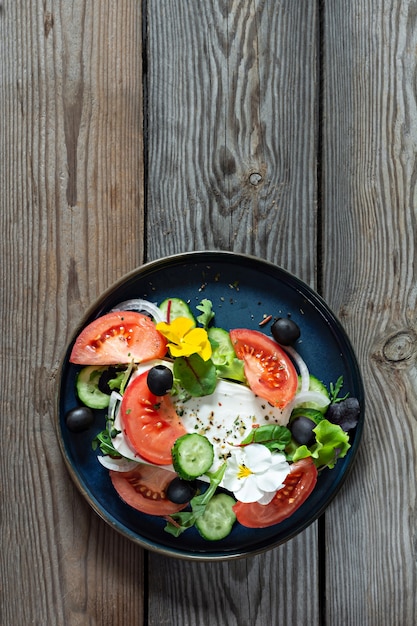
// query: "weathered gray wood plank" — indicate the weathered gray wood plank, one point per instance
point(231, 93)
point(71, 220)
point(369, 205)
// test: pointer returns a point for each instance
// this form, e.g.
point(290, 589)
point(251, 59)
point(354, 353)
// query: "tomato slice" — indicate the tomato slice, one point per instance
point(150, 422)
point(116, 338)
point(144, 489)
point(298, 485)
point(268, 369)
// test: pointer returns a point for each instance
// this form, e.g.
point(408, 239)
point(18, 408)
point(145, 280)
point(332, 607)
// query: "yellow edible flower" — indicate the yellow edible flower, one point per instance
point(184, 339)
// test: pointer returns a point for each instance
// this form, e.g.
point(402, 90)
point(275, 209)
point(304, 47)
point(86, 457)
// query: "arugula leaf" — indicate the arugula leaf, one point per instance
point(206, 307)
point(196, 376)
point(335, 390)
point(272, 436)
point(332, 444)
point(103, 441)
point(177, 523)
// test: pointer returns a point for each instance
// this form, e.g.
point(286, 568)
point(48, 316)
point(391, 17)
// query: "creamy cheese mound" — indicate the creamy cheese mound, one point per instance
point(226, 417)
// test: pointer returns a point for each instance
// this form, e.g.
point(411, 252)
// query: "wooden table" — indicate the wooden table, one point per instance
point(132, 130)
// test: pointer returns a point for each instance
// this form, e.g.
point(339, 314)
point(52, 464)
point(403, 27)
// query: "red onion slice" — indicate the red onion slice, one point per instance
point(140, 305)
point(302, 367)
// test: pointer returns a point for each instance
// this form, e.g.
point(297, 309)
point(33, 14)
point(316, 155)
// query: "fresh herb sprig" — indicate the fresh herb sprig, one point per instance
point(207, 314)
point(104, 442)
point(335, 390)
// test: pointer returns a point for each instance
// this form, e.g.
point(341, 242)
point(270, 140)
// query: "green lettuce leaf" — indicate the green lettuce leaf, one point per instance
point(206, 308)
point(332, 444)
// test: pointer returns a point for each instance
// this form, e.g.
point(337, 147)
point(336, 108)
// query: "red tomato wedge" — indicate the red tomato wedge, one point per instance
point(116, 338)
point(298, 485)
point(150, 422)
point(268, 369)
point(144, 489)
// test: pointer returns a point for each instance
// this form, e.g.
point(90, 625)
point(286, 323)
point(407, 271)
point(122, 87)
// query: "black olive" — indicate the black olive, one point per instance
point(79, 419)
point(105, 378)
point(160, 380)
point(302, 430)
point(285, 331)
point(180, 491)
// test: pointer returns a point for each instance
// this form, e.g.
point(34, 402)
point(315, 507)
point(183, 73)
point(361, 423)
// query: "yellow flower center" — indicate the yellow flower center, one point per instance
point(244, 471)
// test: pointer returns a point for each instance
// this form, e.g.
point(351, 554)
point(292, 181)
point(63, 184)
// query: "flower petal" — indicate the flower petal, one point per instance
point(258, 457)
point(196, 336)
point(182, 325)
point(206, 351)
point(267, 497)
point(182, 349)
point(232, 482)
point(271, 480)
point(199, 339)
point(168, 332)
point(249, 491)
point(176, 330)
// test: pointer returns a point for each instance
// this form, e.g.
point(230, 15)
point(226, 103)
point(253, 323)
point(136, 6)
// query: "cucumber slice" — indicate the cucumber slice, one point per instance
point(223, 355)
point(192, 456)
point(221, 345)
point(175, 307)
point(87, 387)
point(315, 385)
point(218, 518)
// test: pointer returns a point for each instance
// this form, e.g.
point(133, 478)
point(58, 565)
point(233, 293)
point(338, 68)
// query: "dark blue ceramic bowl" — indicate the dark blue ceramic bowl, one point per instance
point(242, 289)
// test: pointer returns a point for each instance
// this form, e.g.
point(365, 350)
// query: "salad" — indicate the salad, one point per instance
point(206, 427)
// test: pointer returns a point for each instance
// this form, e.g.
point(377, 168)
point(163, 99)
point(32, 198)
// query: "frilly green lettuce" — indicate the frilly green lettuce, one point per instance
point(332, 444)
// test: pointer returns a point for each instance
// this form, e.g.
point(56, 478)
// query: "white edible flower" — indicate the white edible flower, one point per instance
point(254, 474)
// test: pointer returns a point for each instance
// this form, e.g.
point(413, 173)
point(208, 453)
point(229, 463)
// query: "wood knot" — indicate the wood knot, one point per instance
point(400, 347)
point(48, 23)
point(255, 178)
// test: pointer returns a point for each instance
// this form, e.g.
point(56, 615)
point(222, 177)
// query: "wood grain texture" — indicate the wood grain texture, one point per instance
point(232, 92)
point(71, 218)
point(249, 592)
point(235, 116)
point(369, 215)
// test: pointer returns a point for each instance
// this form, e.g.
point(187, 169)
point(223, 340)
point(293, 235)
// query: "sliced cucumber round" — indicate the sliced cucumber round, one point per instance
point(192, 456)
point(315, 385)
point(172, 308)
point(87, 385)
point(221, 345)
point(218, 518)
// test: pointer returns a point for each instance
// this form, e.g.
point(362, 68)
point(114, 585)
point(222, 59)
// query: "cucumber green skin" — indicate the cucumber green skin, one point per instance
point(192, 456)
point(218, 518)
point(221, 343)
point(179, 308)
point(316, 385)
point(87, 387)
